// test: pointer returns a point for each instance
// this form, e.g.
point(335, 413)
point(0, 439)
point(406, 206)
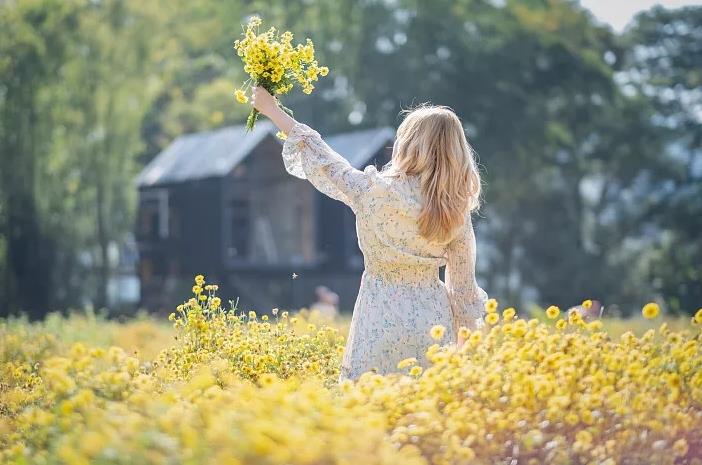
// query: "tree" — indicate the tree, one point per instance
point(35, 39)
point(589, 141)
point(77, 81)
point(111, 89)
point(664, 66)
point(534, 84)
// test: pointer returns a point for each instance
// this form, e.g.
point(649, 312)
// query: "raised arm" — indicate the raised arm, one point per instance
point(307, 156)
point(467, 298)
point(264, 102)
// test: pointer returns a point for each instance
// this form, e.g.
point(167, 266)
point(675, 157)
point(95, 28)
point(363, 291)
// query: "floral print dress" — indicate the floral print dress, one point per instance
point(401, 296)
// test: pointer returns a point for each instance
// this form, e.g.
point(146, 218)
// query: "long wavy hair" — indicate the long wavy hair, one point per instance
point(432, 145)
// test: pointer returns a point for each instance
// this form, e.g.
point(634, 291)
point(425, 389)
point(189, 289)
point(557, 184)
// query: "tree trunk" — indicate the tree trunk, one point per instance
point(103, 244)
point(28, 265)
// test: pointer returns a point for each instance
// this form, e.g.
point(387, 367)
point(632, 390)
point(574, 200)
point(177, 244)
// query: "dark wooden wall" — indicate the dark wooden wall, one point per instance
point(191, 245)
point(281, 211)
point(314, 237)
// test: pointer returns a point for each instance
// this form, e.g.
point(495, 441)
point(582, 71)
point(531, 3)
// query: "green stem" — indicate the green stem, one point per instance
point(252, 118)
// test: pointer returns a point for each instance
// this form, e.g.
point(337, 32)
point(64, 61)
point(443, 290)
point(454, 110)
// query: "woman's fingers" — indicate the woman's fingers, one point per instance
point(258, 95)
point(262, 100)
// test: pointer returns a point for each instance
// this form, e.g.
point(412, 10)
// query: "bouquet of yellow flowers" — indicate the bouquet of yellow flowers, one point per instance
point(274, 63)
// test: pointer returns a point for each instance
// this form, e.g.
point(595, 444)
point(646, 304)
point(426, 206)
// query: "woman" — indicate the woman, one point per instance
point(411, 218)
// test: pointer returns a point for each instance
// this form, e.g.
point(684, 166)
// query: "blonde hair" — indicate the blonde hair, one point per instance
point(432, 145)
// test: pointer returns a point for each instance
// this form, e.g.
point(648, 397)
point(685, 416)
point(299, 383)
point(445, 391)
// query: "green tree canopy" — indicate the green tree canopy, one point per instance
point(589, 141)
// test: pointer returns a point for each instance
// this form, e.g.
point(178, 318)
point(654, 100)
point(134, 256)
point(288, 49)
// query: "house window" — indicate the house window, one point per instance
point(146, 270)
point(239, 241)
point(148, 219)
point(174, 222)
point(154, 214)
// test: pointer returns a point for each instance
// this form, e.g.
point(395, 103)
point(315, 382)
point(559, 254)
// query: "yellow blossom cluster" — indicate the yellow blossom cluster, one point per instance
point(104, 407)
point(525, 391)
point(234, 388)
point(248, 345)
point(273, 62)
point(240, 388)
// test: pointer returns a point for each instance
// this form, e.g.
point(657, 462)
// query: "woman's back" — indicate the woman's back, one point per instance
point(411, 219)
point(387, 226)
point(401, 296)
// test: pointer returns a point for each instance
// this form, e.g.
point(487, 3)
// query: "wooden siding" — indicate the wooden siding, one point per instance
point(311, 235)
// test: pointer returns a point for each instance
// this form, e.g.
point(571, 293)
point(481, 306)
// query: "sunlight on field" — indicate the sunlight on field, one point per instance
point(217, 386)
point(144, 335)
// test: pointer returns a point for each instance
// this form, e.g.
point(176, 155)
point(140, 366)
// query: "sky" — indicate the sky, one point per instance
point(618, 12)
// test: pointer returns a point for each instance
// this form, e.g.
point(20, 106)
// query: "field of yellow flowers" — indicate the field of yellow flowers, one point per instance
point(221, 386)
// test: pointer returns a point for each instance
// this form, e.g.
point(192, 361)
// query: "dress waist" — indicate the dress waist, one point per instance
point(403, 274)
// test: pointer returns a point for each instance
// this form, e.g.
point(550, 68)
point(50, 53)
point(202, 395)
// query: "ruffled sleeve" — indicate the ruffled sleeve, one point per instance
point(307, 156)
point(467, 298)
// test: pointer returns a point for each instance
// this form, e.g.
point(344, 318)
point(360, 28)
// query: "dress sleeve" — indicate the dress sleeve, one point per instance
point(467, 298)
point(307, 156)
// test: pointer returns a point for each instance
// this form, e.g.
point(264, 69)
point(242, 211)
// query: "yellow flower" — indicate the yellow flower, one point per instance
point(281, 135)
point(437, 332)
point(680, 447)
point(475, 338)
point(406, 363)
point(571, 418)
point(266, 379)
point(698, 316)
point(254, 22)
point(492, 318)
point(509, 313)
point(552, 312)
point(650, 310)
point(199, 280)
point(583, 392)
point(463, 332)
point(271, 60)
point(491, 305)
point(574, 316)
point(241, 96)
point(587, 304)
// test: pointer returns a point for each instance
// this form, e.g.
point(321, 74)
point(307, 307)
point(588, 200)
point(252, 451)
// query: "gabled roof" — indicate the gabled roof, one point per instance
point(203, 155)
point(215, 153)
point(359, 146)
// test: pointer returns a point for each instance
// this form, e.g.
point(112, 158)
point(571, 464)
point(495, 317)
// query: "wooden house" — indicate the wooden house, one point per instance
point(220, 203)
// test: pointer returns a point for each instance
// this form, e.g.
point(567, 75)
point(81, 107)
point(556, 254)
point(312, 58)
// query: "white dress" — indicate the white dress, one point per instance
point(401, 296)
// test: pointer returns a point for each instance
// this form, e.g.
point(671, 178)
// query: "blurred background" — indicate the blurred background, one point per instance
point(124, 170)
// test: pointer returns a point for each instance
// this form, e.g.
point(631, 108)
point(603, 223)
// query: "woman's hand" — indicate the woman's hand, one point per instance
point(263, 101)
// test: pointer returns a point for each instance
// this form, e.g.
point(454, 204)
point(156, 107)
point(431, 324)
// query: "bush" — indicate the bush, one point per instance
point(247, 389)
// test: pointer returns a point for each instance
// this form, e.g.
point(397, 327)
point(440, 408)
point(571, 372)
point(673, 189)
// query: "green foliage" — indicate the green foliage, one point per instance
point(590, 147)
point(664, 67)
point(35, 40)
